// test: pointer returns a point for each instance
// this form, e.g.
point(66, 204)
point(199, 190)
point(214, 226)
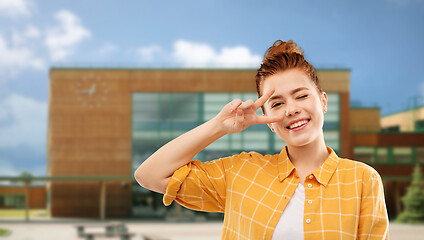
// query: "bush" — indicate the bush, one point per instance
point(413, 201)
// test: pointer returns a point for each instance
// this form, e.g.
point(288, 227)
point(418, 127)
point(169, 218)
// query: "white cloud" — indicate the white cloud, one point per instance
point(238, 55)
point(107, 48)
point(17, 38)
point(22, 37)
point(63, 39)
point(147, 53)
point(32, 32)
point(192, 54)
point(14, 8)
point(17, 58)
point(24, 122)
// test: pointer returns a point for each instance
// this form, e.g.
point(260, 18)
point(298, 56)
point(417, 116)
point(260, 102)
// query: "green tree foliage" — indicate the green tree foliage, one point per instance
point(413, 201)
point(23, 174)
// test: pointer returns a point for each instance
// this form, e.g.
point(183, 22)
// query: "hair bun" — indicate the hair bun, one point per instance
point(280, 46)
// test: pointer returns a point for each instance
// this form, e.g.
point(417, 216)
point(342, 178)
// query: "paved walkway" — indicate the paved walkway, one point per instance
point(61, 230)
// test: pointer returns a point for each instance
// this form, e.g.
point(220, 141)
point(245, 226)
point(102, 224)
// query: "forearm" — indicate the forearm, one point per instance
point(157, 169)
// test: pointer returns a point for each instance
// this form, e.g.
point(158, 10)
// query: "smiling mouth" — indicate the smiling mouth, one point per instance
point(298, 124)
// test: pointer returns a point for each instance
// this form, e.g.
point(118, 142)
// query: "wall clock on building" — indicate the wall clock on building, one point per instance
point(91, 91)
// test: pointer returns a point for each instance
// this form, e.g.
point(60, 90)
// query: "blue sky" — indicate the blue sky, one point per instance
point(380, 41)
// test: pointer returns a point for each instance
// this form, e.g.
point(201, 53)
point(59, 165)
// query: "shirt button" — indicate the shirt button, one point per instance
point(308, 220)
point(311, 176)
point(309, 185)
point(309, 201)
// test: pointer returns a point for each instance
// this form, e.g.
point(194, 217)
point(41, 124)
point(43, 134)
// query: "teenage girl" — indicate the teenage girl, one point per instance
point(304, 192)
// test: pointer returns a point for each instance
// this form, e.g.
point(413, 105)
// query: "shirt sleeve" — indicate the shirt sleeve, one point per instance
point(373, 219)
point(200, 186)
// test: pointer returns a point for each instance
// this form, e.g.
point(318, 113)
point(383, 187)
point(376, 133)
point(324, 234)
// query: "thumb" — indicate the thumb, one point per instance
point(269, 119)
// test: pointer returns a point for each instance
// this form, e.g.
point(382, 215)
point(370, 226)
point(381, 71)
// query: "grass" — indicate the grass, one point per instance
point(3, 231)
point(20, 213)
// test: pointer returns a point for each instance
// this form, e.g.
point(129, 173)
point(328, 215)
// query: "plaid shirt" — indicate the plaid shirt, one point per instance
point(344, 199)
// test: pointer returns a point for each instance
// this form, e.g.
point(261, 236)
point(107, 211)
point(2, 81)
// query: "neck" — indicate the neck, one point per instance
point(310, 157)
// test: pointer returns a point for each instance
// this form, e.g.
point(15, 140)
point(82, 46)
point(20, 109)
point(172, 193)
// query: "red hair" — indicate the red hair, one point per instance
point(283, 56)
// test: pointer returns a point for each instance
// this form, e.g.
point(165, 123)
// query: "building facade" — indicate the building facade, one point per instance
point(106, 122)
point(411, 120)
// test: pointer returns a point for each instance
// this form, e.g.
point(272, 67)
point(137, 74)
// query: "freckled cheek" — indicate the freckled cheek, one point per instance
point(274, 112)
point(278, 126)
point(267, 110)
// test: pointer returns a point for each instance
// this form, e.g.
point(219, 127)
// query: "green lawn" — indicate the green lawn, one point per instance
point(20, 213)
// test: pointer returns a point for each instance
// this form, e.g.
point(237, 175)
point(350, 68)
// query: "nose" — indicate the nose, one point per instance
point(291, 109)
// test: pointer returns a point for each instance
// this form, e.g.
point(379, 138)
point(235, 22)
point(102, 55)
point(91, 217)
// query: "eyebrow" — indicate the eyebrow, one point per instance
point(294, 91)
point(298, 90)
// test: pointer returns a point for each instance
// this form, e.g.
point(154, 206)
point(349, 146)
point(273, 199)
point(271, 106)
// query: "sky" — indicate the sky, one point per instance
point(381, 42)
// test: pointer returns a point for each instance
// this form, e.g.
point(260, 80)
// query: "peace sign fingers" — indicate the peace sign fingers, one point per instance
point(262, 100)
point(270, 119)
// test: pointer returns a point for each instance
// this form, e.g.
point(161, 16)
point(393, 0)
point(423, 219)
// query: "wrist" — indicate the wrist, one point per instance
point(218, 127)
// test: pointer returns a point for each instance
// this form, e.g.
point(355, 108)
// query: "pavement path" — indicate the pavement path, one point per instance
point(60, 230)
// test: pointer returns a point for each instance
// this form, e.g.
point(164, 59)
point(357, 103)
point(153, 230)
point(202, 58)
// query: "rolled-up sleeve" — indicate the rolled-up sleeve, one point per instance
point(199, 186)
point(373, 221)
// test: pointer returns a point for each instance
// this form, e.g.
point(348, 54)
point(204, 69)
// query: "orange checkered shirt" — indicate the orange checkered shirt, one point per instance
point(344, 199)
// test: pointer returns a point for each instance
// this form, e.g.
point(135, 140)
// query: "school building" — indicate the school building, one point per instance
point(106, 122)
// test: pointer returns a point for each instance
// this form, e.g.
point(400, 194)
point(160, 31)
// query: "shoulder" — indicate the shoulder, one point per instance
point(253, 157)
point(360, 169)
point(229, 161)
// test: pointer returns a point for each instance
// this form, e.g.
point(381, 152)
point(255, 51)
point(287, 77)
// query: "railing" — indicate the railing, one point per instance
point(103, 179)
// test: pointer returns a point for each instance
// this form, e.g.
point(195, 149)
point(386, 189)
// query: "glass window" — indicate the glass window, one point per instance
point(332, 139)
point(419, 154)
point(391, 129)
point(160, 117)
point(332, 122)
point(14, 201)
point(157, 118)
point(419, 125)
point(382, 153)
point(364, 154)
point(402, 154)
point(278, 143)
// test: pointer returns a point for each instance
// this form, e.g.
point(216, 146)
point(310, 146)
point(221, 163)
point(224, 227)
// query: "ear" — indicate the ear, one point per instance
point(324, 101)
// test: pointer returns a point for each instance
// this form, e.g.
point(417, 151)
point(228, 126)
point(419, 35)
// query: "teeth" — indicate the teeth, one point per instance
point(298, 124)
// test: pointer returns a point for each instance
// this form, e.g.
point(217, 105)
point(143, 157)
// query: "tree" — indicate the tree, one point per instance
point(23, 174)
point(413, 201)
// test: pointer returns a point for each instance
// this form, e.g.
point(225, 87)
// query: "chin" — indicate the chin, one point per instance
point(300, 141)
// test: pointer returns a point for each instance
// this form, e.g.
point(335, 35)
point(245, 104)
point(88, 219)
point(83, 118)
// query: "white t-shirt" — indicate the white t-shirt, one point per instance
point(290, 225)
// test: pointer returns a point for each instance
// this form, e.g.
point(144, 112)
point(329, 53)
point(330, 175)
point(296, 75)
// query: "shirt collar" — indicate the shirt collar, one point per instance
point(322, 174)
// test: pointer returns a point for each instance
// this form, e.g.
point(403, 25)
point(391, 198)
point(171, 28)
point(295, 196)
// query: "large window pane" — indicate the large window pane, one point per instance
point(157, 118)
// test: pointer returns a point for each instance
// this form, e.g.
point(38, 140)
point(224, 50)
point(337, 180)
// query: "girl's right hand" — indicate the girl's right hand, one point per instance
point(237, 115)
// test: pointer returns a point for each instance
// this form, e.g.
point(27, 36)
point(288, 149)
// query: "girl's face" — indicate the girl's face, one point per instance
point(297, 98)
